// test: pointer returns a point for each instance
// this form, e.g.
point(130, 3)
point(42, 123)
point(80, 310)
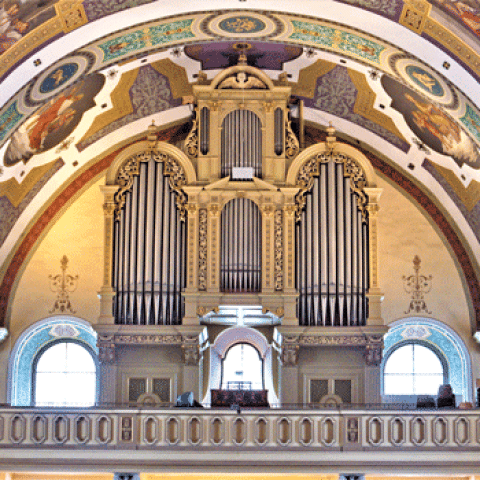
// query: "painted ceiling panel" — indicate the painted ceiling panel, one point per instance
point(99, 92)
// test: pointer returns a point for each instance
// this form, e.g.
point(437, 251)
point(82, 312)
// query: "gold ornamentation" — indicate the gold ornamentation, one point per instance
point(72, 15)
point(351, 169)
point(418, 285)
point(202, 249)
point(191, 142)
point(63, 284)
point(242, 81)
point(415, 14)
point(172, 169)
point(278, 245)
point(292, 147)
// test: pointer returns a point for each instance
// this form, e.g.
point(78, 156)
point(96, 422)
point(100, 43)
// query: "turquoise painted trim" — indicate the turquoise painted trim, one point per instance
point(28, 345)
point(434, 333)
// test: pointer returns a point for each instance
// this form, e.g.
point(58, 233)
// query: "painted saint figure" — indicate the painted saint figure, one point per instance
point(30, 138)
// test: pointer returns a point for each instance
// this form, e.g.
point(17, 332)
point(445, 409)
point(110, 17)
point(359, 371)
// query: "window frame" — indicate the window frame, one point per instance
point(423, 343)
point(44, 348)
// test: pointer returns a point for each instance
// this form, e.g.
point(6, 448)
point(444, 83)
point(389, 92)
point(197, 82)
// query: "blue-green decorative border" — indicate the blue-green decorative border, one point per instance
point(438, 335)
point(29, 344)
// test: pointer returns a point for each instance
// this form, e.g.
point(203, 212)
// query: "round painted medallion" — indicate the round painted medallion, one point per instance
point(241, 24)
point(58, 77)
point(425, 80)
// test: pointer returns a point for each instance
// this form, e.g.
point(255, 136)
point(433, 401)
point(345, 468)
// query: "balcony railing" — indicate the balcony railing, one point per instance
point(282, 438)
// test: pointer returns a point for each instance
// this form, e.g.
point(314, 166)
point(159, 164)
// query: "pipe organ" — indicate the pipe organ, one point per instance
point(332, 252)
point(293, 234)
point(148, 271)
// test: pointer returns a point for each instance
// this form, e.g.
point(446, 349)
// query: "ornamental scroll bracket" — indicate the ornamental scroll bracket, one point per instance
point(351, 169)
point(191, 142)
point(131, 168)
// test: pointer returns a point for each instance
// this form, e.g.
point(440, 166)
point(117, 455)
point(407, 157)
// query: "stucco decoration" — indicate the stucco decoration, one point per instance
point(34, 339)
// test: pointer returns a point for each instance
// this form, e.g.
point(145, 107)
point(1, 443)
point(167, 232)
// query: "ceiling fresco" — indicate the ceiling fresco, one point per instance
point(68, 114)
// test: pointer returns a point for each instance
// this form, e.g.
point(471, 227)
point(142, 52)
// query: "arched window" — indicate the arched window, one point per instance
point(242, 368)
point(64, 374)
point(419, 355)
point(414, 369)
point(42, 338)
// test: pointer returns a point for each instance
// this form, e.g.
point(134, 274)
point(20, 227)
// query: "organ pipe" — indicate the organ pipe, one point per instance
point(149, 252)
point(241, 247)
point(241, 142)
point(279, 129)
point(204, 130)
point(332, 253)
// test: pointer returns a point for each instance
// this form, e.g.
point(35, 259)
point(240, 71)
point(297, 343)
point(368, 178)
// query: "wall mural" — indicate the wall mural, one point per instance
point(431, 125)
point(467, 11)
point(53, 122)
point(17, 18)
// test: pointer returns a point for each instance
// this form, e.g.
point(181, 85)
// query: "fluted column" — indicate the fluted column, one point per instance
point(107, 293)
point(375, 294)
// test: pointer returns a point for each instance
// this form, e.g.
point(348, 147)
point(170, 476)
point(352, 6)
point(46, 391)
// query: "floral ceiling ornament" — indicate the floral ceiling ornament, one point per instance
point(418, 285)
point(63, 284)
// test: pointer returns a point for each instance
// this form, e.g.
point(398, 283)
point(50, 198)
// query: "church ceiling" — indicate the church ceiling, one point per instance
point(80, 80)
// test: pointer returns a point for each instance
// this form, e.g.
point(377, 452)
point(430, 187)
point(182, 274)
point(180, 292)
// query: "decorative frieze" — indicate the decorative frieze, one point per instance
point(148, 339)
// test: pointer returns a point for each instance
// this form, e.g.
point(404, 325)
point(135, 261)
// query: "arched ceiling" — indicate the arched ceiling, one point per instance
point(80, 80)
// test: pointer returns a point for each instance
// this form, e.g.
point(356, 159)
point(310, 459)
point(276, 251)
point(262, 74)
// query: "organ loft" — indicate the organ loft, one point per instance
point(241, 235)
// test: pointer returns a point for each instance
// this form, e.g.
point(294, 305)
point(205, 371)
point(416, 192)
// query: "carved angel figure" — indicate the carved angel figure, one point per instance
point(242, 81)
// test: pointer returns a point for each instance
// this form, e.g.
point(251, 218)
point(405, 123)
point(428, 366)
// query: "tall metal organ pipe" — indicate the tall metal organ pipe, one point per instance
point(204, 130)
point(241, 247)
point(332, 253)
point(149, 257)
point(241, 142)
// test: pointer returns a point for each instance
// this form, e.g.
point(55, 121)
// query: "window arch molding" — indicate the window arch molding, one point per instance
point(439, 338)
point(34, 341)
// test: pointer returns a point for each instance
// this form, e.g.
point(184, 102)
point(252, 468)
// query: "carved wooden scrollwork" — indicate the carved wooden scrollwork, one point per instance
point(292, 147)
point(351, 169)
point(131, 168)
point(191, 142)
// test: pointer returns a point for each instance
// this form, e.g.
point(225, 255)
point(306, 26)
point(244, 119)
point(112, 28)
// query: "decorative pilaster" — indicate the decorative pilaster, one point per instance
point(213, 253)
point(202, 249)
point(289, 211)
point(375, 295)
point(268, 248)
point(107, 293)
point(278, 251)
point(192, 247)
